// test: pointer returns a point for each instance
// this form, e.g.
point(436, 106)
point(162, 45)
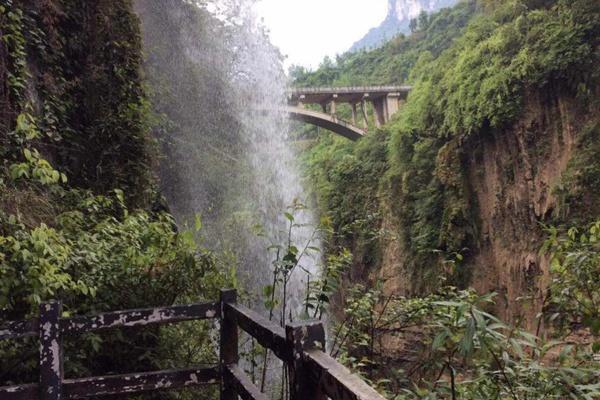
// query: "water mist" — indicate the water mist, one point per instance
point(213, 73)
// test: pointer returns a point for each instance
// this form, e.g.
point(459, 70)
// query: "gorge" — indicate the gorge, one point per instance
point(451, 251)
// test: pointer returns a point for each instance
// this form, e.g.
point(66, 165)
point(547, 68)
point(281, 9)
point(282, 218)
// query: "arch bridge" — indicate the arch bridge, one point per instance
point(385, 100)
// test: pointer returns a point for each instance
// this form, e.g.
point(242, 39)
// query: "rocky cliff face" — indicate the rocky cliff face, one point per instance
point(400, 12)
point(514, 178)
point(404, 10)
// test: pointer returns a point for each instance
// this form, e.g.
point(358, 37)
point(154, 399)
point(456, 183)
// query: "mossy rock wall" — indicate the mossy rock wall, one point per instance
point(75, 67)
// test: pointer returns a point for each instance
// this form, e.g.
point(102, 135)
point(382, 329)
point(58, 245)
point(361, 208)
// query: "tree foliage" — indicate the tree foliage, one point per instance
point(449, 346)
point(472, 68)
point(575, 288)
point(76, 188)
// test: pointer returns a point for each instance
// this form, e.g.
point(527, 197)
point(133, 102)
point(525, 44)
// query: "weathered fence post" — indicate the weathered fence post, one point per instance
point(228, 343)
point(301, 336)
point(51, 357)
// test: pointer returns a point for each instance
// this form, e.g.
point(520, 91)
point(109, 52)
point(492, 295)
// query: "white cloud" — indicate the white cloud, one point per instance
point(308, 30)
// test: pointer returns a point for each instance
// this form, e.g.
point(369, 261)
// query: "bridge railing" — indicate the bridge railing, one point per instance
point(313, 374)
point(350, 89)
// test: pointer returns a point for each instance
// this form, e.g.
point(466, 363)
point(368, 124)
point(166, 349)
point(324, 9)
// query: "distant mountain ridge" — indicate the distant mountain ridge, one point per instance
point(400, 12)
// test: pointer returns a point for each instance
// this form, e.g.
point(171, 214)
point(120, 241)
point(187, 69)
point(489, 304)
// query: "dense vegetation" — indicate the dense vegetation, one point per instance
point(476, 70)
point(471, 75)
point(335, 164)
point(77, 189)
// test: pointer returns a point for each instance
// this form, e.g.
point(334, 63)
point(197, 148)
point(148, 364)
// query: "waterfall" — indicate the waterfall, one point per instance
point(212, 69)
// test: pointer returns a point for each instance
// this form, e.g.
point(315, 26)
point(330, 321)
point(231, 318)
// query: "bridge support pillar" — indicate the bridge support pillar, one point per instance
point(363, 108)
point(380, 112)
point(393, 103)
point(353, 113)
point(301, 100)
point(333, 105)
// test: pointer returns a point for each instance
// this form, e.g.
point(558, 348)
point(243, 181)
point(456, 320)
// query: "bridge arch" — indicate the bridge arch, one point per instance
point(325, 121)
point(386, 101)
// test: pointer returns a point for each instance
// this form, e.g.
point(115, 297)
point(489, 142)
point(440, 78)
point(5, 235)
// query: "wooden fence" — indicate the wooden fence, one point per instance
point(313, 374)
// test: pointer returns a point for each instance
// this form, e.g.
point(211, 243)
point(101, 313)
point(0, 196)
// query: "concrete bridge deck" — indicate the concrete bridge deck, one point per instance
point(386, 101)
point(349, 94)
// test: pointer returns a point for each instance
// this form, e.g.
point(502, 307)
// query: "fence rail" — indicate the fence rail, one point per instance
point(18, 329)
point(312, 373)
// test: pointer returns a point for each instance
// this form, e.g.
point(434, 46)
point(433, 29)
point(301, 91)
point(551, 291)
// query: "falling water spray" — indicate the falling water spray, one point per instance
point(213, 73)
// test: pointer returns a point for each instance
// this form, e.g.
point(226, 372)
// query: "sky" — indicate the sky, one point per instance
point(308, 30)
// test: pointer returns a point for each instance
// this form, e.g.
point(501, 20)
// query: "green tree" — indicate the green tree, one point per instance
point(575, 288)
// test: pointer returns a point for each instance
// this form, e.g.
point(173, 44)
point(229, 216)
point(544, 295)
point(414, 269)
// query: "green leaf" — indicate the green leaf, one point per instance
point(27, 154)
point(120, 195)
point(198, 222)
point(440, 340)
point(448, 303)
point(268, 290)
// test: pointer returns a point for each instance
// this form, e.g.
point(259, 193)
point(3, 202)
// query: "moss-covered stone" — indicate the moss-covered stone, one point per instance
point(75, 67)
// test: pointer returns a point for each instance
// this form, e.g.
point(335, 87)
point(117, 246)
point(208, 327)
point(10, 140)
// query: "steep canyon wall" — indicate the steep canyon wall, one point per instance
point(518, 180)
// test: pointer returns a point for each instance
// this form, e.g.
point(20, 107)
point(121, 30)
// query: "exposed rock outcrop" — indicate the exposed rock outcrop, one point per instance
point(513, 176)
point(400, 12)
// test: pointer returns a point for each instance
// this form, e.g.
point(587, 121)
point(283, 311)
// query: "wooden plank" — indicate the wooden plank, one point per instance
point(336, 380)
point(139, 382)
point(141, 317)
point(242, 385)
point(228, 344)
point(267, 333)
point(302, 336)
point(51, 357)
point(18, 329)
point(20, 392)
